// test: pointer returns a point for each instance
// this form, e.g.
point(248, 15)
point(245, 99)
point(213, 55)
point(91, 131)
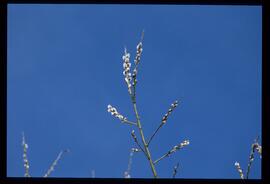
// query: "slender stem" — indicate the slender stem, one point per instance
point(165, 155)
point(154, 133)
point(251, 156)
point(129, 122)
point(138, 144)
point(55, 163)
point(143, 138)
point(175, 170)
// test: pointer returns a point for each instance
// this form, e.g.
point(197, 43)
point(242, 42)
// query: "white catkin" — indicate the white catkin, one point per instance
point(25, 159)
point(51, 168)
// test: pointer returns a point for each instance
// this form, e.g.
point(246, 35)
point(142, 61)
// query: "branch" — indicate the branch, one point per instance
point(174, 149)
point(136, 141)
point(55, 163)
point(132, 151)
point(254, 146)
point(175, 169)
point(240, 171)
point(25, 159)
point(116, 114)
point(164, 119)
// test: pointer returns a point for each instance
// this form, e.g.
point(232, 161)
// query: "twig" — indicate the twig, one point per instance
point(254, 146)
point(174, 149)
point(137, 142)
point(25, 159)
point(127, 172)
point(175, 170)
point(129, 122)
point(155, 133)
point(51, 168)
point(116, 114)
point(240, 171)
point(164, 119)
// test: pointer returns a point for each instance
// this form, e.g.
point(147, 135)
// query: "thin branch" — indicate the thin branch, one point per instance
point(175, 170)
point(154, 133)
point(133, 99)
point(143, 140)
point(51, 168)
point(174, 149)
point(127, 172)
point(129, 122)
point(137, 142)
point(240, 171)
point(164, 119)
point(251, 156)
point(116, 114)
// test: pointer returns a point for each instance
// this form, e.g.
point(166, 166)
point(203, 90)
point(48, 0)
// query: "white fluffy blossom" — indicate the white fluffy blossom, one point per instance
point(116, 114)
point(173, 106)
point(126, 72)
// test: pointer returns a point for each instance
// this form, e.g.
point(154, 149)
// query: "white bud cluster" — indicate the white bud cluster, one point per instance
point(127, 175)
point(133, 135)
point(181, 145)
point(116, 114)
point(258, 148)
point(25, 160)
point(135, 150)
point(126, 72)
point(138, 53)
point(173, 106)
point(237, 165)
point(51, 168)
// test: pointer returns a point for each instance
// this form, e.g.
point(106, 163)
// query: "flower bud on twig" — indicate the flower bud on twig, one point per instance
point(237, 165)
point(25, 159)
point(126, 72)
point(173, 106)
point(116, 114)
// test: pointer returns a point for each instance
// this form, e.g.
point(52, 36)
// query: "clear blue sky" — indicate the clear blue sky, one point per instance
point(65, 67)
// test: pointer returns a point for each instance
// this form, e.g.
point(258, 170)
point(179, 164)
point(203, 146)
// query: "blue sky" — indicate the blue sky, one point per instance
point(65, 67)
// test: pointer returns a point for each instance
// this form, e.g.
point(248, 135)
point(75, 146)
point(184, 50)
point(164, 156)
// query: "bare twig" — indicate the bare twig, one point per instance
point(175, 170)
point(155, 133)
point(51, 168)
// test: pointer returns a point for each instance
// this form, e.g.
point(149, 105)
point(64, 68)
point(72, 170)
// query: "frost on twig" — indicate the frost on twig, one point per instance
point(25, 159)
point(51, 168)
